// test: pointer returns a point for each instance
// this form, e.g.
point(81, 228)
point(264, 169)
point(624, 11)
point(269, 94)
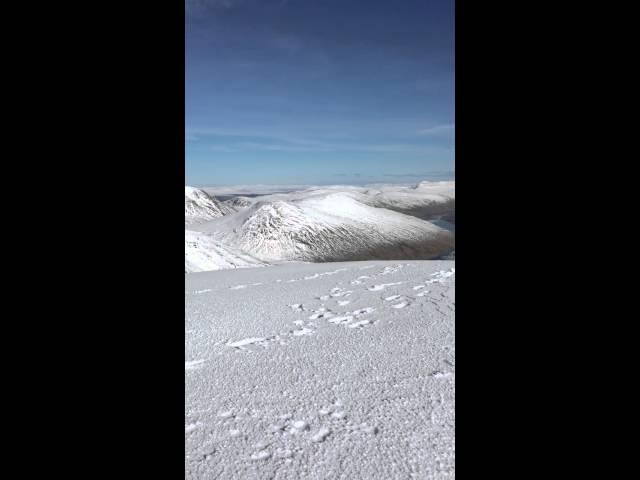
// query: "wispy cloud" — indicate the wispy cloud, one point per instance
point(445, 174)
point(438, 130)
point(229, 140)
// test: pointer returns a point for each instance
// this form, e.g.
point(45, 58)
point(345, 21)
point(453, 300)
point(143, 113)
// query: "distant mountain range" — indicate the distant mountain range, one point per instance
point(320, 224)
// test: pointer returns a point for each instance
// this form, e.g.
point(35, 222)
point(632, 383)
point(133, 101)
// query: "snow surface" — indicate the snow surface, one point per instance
point(318, 371)
point(203, 253)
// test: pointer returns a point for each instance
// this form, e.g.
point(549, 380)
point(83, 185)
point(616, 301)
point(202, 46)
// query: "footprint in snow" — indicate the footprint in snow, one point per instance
point(300, 425)
point(340, 292)
point(400, 305)
point(341, 319)
point(362, 311)
point(382, 286)
point(439, 374)
point(191, 427)
point(247, 342)
point(262, 455)
point(360, 324)
point(321, 313)
point(320, 435)
point(303, 331)
point(193, 364)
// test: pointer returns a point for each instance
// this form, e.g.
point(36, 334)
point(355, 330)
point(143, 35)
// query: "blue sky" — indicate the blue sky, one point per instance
point(319, 91)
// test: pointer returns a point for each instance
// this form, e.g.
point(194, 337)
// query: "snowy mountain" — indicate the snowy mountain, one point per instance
point(426, 200)
point(238, 203)
point(328, 227)
point(320, 224)
point(201, 207)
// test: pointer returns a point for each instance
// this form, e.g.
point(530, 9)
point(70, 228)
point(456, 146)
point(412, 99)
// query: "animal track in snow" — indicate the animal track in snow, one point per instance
point(439, 374)
point(320, 435)
point(321, 313)
point(340, 292)
point(341, 319)
point(348, 317)
point(261, 455)
point(390, 270)
point(240, 287)
point(360, 323)
point(382, 286)
point(191, 427)
point(441, 276)
point(297, 307)
point(362, 311)
point(198, 292)
point(193, 364)
point(400, 305)
point(245, 342)
point(303, 331)
point(318, 275)
point(300, 425)
point(359, 280)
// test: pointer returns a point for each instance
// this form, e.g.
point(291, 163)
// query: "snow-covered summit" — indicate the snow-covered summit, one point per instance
point(200, 207)
point(238, 203)
point(325, 227)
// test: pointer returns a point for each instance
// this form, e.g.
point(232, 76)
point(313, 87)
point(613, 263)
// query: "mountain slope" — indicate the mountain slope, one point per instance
point(201, 207)
point(238, 203)
point(203, 253)
point(324, 227)
point(425, 200)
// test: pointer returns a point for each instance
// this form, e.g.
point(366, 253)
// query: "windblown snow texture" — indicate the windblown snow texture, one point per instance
point(342, 370)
